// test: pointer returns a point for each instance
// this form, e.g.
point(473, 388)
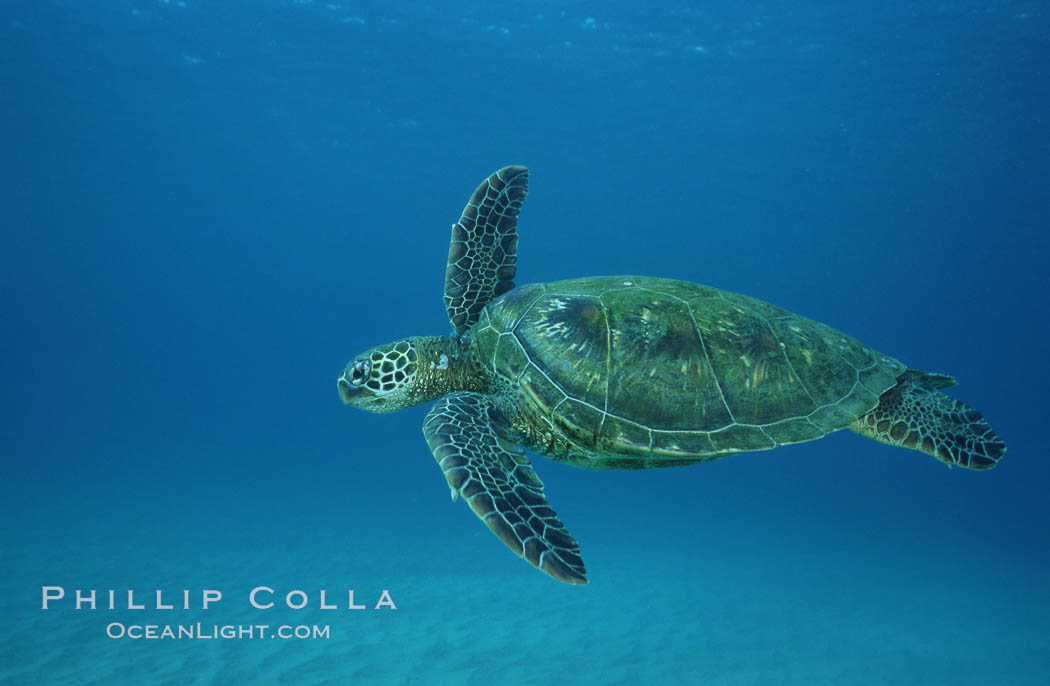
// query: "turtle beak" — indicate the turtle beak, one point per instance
point(347, 390)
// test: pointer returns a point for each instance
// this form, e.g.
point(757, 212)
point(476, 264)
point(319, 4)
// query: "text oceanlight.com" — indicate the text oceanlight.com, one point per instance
point(216, 631)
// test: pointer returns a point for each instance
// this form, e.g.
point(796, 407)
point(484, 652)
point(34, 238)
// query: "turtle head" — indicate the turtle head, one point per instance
point(381, 379)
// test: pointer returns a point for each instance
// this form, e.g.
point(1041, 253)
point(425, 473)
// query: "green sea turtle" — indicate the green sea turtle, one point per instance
point(628, 372)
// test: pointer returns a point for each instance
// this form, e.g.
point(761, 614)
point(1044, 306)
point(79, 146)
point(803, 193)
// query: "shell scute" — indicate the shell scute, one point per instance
point(752, 368)
point(578, 421)
point(794, 430)
point(512, 358)
point(818, 355)
point(539, 388)
point(675, 443)
point(739, 437)
point(620, 437)
point(836, 415)
point(660, 375)
point(568, 337)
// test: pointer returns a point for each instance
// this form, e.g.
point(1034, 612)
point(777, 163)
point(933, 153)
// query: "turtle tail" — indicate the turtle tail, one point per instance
point(915, 414)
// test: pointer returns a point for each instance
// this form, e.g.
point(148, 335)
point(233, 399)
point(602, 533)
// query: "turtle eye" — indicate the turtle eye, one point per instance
point(359, 373)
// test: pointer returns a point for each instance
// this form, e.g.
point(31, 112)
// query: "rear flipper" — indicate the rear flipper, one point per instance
point(915, 414)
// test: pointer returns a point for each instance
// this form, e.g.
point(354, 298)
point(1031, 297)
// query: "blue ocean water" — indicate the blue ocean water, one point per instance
point(209, 208)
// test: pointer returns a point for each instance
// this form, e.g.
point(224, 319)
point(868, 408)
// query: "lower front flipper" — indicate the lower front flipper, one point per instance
point(478, 451)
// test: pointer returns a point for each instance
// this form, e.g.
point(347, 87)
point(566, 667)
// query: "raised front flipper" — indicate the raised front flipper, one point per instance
point(484, 248)
point(477, 449)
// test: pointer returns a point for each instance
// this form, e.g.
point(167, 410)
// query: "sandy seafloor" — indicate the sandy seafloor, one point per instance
point(805, 595)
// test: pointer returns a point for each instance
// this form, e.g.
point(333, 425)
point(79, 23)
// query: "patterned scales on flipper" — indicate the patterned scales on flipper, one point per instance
point(915, 414)
point(478, 451)
point(484, 248)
